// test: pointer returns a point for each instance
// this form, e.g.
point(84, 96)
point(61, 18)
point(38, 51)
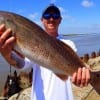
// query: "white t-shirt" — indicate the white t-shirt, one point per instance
point(46, 85)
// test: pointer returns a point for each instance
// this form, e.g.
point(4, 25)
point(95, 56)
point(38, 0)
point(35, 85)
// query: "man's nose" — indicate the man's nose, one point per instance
point(51, 19)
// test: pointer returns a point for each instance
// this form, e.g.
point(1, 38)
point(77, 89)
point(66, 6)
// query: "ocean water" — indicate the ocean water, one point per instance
point(85, 43)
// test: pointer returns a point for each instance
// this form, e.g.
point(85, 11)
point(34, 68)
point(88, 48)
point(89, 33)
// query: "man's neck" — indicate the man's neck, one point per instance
point(53, 34)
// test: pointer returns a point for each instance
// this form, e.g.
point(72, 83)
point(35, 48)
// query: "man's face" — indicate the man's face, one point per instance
point(51, 21)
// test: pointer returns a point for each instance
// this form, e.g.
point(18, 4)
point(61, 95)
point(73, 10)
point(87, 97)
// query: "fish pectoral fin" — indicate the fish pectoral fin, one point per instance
point(21, 55)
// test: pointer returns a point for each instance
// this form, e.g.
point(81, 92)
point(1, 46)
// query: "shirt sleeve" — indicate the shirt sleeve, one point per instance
point(70, 43)
point(28, 64)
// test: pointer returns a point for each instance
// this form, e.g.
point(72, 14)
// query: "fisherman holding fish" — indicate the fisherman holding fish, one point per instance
point(46, 84)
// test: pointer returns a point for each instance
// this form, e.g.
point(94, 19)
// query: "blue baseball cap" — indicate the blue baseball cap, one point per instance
point(52, 8)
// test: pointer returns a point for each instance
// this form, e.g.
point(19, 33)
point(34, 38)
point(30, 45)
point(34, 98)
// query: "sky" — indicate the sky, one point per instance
point(78, 16)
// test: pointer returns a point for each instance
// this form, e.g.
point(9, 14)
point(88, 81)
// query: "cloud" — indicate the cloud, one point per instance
point(66, 16)
point(62, 9)
point(97, 26)
point(87, 3)
point(33, 16)
point(53, 1)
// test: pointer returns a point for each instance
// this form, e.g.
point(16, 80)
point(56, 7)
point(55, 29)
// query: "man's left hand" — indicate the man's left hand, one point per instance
point(81, 78)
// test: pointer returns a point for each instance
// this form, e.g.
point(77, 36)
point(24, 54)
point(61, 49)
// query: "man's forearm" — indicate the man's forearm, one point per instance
point(19, 60)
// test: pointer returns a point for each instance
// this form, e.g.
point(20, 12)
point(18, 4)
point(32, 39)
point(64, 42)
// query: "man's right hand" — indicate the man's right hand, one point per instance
point(6, 43)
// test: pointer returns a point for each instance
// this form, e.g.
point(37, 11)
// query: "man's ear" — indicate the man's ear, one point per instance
point(60, 20)
point(41, 19)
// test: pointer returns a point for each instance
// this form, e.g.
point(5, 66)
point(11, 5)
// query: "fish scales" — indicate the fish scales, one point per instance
point(33, 42)
point(37, 45)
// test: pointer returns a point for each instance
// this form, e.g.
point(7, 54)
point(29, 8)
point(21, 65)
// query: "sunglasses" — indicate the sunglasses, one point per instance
point(48, 16)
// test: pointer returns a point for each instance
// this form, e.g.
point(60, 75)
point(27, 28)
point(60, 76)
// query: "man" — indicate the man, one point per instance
point(46, 85)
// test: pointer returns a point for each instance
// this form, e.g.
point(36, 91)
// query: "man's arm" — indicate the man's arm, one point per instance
point(6, 47)
point(20, 62)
